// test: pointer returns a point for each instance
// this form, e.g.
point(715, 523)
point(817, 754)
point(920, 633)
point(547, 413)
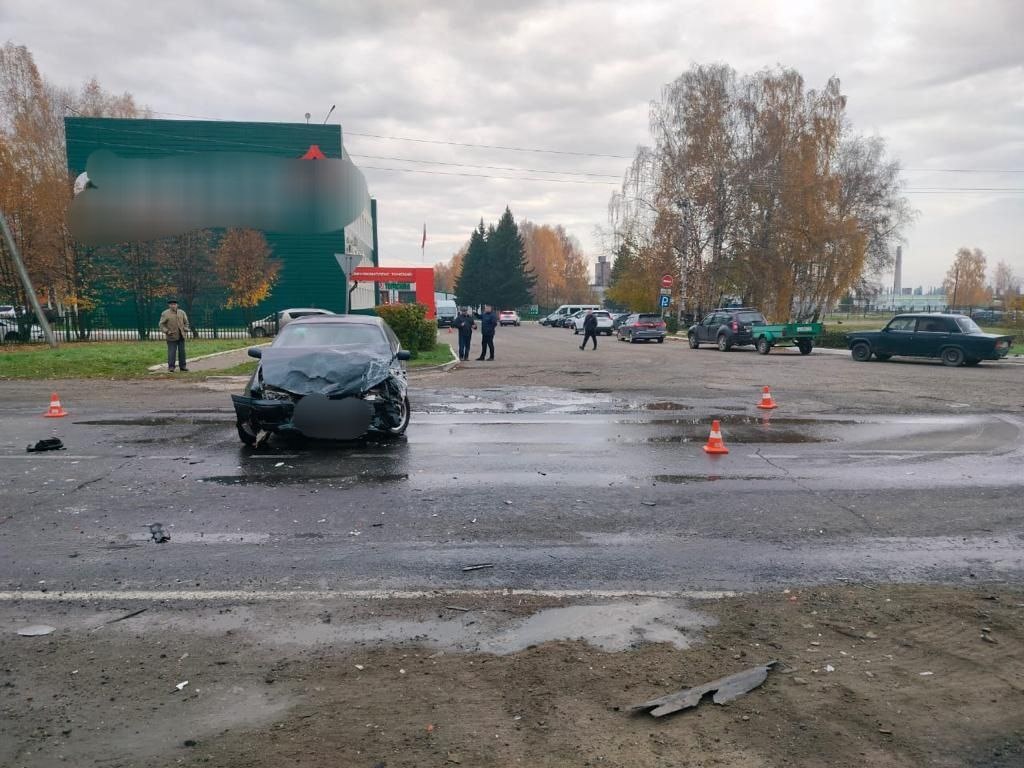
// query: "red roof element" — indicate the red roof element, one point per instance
point(314, 153)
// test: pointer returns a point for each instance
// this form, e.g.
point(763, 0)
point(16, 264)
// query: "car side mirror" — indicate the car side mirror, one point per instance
point(255, 352)
point(404, 355)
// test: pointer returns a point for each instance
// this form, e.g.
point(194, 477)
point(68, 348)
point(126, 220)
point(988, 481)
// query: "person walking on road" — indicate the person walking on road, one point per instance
point(464, 324)
point(488, 322)
point(174, 324)
point(589, 329)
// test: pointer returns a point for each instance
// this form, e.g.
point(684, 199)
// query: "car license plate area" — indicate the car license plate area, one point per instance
point(320, 417)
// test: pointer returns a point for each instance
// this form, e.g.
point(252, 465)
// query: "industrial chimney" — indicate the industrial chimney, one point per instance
point(897, 285)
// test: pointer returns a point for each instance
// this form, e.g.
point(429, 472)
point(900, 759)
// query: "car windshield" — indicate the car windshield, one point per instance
point(750, 317)
point(368, 337)
point(968, 326)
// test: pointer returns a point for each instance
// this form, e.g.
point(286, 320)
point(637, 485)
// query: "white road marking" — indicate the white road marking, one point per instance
point(275, 595)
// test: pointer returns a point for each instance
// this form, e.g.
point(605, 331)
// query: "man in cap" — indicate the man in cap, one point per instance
point(464, 324)
point(174, 324)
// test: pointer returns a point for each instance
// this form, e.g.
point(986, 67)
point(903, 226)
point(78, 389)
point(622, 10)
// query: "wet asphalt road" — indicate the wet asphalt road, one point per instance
point(557, 488)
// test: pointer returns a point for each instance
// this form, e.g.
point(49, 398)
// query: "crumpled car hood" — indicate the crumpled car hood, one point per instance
point(333, 372)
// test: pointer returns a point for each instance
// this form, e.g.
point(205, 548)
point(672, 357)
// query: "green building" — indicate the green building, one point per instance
point(310, 275)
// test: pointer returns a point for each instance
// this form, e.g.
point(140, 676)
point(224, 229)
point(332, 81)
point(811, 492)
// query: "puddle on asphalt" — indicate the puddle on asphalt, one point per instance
point(665, 406)
point(684, 479)
point(612, 627)
point(734, 435)
point(271, 480)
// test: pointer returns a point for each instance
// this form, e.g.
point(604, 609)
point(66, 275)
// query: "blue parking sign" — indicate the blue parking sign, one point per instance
point(665, 301)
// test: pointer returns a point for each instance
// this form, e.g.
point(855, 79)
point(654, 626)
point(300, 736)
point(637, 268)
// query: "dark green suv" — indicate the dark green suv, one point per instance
point(726, 328)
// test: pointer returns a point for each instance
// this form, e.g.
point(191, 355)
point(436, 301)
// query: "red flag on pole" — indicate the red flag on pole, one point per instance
point(424, 243)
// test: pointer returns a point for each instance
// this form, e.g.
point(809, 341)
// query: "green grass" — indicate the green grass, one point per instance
point(439, 355)
point(99, 359)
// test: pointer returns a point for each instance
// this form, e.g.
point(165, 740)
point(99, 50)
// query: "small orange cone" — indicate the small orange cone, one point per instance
point(56, 410)
point(767, 403)
point(715, 443)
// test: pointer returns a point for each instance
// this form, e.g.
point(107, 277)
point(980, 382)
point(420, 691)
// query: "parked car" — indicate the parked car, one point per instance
point(726, 328)
point(954, 339)
point(8, 311)
point(604, 322)
point(508, 317)
point(333, 377)
point(268, 325)
point(559, 318)
point(569, 321)
point(642, 327)
point(11, 331)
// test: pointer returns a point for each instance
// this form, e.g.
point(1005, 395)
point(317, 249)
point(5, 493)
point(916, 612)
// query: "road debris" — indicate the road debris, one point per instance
point(649, 503)
point(457, 608)
point(120, 618)
point(181, 685)
point(36, 630)
point(158, 534)
point(725, 690)
point(49, 444)
point(477, 566)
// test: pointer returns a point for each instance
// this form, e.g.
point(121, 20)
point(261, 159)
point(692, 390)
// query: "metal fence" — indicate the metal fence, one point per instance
point(20, 330)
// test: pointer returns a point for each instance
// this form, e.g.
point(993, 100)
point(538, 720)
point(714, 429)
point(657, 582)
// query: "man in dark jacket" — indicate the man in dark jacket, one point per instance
point(464, 324)
point(589, 329)
point(488, 322)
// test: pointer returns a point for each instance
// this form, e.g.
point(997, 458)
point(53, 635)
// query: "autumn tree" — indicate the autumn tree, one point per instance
point(446, 275)
point(1005, 282)
point(965, 281)
point(35, 189)
point(757, 190)
point(246, 270)
point(558, 263)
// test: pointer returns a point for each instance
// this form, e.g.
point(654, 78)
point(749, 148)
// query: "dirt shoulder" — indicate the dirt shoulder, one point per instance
point(921, 676)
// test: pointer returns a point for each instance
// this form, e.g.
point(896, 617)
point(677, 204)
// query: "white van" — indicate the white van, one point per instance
point(446, 312)
point(564, 312)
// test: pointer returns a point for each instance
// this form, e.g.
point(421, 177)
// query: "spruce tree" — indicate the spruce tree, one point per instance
point(471, 287)
point(511, 280)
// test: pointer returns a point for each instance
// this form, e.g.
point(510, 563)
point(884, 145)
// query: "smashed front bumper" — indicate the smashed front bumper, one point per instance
point(317, 416)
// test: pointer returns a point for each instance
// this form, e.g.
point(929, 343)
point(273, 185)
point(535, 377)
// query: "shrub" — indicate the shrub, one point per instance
point(410, 324)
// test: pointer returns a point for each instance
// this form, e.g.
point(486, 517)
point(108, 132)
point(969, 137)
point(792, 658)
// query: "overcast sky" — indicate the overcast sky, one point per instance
point(941, 80)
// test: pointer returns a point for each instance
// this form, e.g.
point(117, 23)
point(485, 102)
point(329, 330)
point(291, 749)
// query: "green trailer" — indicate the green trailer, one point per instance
point(799, 335)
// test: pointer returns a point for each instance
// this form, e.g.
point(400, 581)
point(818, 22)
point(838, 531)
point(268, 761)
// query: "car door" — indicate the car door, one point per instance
point(931, 336)
point(897, 338)
point(708, 329)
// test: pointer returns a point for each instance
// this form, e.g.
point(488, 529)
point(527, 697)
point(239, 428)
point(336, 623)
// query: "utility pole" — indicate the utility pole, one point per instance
point(956, 283)
point(27, 283)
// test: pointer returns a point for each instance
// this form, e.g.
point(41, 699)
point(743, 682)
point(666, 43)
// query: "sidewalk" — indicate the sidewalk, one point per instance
point(217, 361)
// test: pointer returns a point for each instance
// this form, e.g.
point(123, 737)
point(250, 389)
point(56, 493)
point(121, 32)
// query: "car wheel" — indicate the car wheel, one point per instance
point(723, 343)
point(246, 433)
point(763, 346)
point(692, 338)
point(632, 340)
point(661, 340)
point(860, 352)
point(259, 333)
point(883, 358)
point(805, 346)
point(953, 357)
point(403, 421)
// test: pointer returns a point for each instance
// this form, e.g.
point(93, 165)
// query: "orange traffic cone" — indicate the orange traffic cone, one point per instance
point(715, 443)
point(767, 403)
point(56, 410)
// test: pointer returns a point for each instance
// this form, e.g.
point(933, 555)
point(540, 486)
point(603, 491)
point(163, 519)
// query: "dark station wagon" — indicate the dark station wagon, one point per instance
point(954, 339)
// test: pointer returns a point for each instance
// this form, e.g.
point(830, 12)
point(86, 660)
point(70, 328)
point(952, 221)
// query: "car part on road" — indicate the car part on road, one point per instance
point(36, 630)
point(725, 689)
point(49, 444)
point(478, 566)
point(158, 534)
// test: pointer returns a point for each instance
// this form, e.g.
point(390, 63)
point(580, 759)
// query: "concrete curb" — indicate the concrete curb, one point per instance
point(163, 366)
point(444, 367)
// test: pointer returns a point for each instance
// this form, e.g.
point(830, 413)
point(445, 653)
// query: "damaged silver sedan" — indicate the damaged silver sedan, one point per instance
point(329, 378)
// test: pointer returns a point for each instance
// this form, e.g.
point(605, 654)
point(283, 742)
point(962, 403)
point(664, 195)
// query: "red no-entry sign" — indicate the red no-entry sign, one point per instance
point(666, 281)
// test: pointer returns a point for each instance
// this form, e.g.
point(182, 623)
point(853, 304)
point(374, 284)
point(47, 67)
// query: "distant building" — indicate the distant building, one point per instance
point(602, 272)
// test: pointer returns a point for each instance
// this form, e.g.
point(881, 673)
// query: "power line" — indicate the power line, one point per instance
point(488, 146)
point(488, 176)
point(489, 167)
